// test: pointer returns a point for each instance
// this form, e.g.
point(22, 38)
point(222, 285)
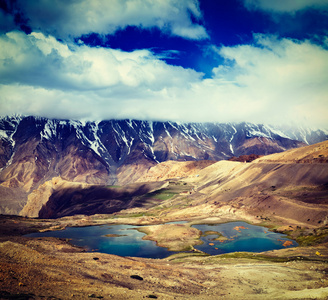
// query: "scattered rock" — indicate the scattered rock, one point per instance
point(20, 296)
point(94, 296)
point(136, 277)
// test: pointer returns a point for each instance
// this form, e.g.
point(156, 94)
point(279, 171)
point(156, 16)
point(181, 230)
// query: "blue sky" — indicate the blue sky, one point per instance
point(259, 61)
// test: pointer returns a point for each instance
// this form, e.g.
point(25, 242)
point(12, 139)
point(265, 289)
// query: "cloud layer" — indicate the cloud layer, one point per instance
point(46, 72)
point(271, 80)
point(68, 19)
point(286, 6)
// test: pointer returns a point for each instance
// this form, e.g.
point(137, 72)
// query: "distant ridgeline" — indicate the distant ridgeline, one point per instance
point(34, 150)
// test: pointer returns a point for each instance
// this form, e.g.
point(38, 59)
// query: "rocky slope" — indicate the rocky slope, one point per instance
point(265, 189)
point(48, 268)
point(286, 191)
point(35, 150)
point(288, 187)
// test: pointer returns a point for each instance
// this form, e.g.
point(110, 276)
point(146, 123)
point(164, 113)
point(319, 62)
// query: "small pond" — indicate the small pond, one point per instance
point(240, 237)
point(123, 240)
point(126, 240)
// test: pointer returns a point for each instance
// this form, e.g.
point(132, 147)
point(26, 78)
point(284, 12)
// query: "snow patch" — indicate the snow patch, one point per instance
point(276, 131)
point(166, 131)
point(49, 131)
point(3, 134)
point(253, 130)
point(233, 134)
point(170, 123)
point(231, 149)
point(8, 135)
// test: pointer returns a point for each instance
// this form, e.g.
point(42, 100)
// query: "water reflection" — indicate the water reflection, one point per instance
point(126, 240)
point(239, 237)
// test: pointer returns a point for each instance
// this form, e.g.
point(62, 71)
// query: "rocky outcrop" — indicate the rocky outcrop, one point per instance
point(245, 158)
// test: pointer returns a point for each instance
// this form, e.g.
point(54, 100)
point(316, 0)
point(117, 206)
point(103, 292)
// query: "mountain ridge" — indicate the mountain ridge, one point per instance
point(33, 150)
point(268, 188)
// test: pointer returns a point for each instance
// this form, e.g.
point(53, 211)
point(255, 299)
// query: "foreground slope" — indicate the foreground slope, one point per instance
point(49, 268)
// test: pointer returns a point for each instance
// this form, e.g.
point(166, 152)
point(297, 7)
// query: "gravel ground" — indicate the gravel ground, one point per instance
point(49, 268)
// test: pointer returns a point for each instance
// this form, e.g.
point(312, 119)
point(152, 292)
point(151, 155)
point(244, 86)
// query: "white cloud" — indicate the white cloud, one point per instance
point(43, 61)
point(272, 81)
point(40, 75)
point(289, 6)
point(65, 19)
point(282, 79)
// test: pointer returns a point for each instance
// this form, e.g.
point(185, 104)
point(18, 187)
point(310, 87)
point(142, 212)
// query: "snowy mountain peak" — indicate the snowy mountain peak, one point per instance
point(34, 150)
point(122, 142)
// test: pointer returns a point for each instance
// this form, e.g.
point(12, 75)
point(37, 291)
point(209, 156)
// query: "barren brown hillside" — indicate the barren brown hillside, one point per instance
point(267, 188)
point(317, 153)
point(277, 191)
point(272, 186)
point(174, 169)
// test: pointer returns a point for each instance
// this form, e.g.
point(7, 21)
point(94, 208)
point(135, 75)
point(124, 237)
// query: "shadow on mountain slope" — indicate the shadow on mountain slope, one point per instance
point(100, 199)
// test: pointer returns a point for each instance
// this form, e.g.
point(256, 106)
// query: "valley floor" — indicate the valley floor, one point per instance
point(49, 268)
point(286, 192)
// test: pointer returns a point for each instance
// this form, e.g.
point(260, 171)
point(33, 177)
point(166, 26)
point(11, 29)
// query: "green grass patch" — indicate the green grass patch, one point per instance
point(177, 257)
point(164, 196)
point(312, 240)
point(210, 232)
point(160, 195)
point(232, 258)
point(247, 255)
point(113, 186)
point(136, 215)
point(260, 257)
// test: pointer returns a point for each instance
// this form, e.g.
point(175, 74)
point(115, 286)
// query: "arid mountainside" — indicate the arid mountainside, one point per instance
point(35, 150)
point(312, 154)
point(96, 199)
point(173, 169)
point(286, 192)
point(295, 189)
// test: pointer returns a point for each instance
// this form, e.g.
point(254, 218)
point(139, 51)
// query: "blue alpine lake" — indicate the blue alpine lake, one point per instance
point(240, 237)
point(126, 240)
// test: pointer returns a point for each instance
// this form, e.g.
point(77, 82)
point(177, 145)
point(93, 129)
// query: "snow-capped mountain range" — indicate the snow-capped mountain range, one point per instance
point(35, 149)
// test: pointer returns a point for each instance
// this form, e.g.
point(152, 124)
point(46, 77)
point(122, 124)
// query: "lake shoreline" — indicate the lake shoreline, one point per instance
point(67, 272)
point(182, 236)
